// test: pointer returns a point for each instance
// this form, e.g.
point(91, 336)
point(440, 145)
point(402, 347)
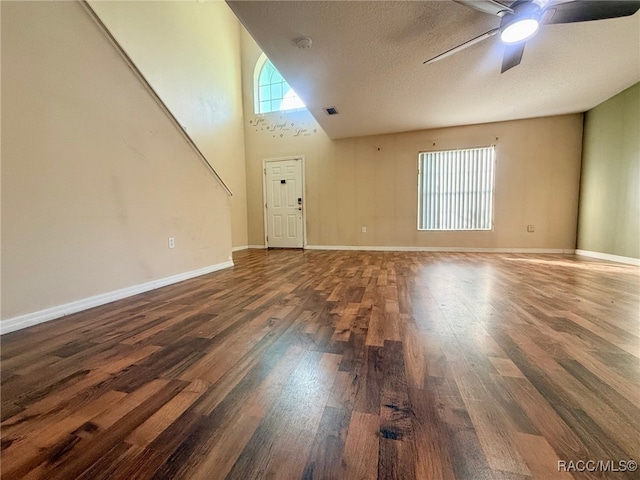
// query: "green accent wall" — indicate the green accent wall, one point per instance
point(609, 212)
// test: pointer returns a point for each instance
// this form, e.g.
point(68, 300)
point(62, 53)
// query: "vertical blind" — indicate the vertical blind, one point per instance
point(455, 189)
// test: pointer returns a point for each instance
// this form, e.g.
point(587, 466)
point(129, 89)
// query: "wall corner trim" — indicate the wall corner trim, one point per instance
point(35, 318)
point(609, 257)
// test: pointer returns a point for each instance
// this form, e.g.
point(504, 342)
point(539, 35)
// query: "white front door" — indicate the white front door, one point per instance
point(283, 187)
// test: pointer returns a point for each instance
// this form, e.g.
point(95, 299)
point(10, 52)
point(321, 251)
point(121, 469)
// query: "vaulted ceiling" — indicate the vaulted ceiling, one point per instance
point(367, 57)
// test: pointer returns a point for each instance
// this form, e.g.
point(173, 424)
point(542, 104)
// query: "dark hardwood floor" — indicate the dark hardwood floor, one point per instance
point(354, 365)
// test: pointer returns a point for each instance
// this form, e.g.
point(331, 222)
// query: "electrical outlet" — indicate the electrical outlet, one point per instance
point(172, 242)
point(531, 228)
point(364, 229)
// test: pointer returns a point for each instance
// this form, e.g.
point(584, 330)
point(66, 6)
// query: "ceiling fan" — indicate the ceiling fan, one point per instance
point(520, 21)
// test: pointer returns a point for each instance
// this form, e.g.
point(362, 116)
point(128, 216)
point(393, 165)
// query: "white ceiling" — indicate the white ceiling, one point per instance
point(366, 60)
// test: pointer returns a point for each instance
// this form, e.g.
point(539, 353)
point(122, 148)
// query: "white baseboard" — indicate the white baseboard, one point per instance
point(442, 249)
point(30, 319)
point(246, 247)
point(609, 257)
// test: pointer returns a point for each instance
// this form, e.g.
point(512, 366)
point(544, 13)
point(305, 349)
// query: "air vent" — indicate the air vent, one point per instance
point(331, 110)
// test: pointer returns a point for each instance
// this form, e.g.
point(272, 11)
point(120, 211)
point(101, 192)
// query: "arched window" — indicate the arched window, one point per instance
point(272, 93)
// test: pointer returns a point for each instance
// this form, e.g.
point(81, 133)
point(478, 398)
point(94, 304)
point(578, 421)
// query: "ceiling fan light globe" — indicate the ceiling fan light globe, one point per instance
point(519, 31)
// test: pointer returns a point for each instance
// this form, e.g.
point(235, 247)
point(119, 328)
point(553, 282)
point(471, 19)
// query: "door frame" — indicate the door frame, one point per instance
point(264, 197)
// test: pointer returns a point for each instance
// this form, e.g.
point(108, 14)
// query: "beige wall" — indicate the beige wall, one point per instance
point(190, 54)
point(95, 177)
point(372, 181)
point(609, 220)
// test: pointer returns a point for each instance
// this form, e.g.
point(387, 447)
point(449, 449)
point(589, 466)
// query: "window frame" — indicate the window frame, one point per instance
point(260, 65)
point(421, 201)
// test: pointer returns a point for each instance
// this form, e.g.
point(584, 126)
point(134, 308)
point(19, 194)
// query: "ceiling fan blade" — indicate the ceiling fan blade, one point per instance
point(487, 6)
point(512, 56)
point(462, 46)
point(584, 11)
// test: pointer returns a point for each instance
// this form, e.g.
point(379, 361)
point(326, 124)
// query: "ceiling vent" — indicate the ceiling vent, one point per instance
point(331, 110)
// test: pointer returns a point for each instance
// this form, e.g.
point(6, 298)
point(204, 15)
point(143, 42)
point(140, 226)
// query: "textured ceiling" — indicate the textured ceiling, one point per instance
point(366, 60)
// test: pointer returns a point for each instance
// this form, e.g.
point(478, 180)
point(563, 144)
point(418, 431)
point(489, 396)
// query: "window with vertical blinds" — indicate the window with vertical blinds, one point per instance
point(455, 189)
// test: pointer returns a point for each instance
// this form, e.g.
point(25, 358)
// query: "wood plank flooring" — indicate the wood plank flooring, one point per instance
point(337, 365)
